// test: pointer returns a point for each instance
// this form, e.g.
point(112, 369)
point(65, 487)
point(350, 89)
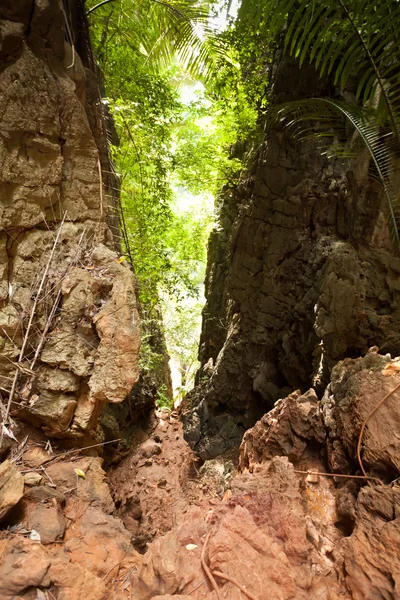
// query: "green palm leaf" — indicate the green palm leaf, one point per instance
point(324, 119)
point(181, 29)
point(357, 39)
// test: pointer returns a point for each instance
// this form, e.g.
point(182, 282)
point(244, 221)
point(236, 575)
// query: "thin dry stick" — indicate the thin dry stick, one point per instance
point(25, 340)
point(240, 586)
point(62, 454)
point(367, 418)
point(53, 310)
point(196, 588)
point(339, 475)
point(101, 188)
point(207, 570)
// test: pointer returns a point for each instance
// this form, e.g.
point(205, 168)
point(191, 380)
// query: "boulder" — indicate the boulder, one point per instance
point(11, 487)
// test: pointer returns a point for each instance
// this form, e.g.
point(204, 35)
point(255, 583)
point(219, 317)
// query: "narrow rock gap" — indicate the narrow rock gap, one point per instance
point(273, 461)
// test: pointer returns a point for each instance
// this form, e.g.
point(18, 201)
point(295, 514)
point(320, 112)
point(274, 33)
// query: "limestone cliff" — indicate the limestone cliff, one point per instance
point(65, 298)
point(301, 274)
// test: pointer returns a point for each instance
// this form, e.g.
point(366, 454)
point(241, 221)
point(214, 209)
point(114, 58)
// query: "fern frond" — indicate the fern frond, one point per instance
point(348, 39)
point(324, 119)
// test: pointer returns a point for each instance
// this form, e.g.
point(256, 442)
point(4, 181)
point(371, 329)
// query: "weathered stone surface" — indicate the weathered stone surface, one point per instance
point(99, 543)
point(25, 564)
point(35, 457)
point(11, 487)
point(117, 324)
point(48, 520)
point(301, 273)
point(371, 553)
point(54, 167)
point(92, 490)
point(76, 583)
point(57, 380)
point(356, 389)
point(285, 430)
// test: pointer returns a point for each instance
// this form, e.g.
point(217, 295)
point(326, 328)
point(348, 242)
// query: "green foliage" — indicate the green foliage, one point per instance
point(172, 155)
point(356, 45)
point(162, 400)
point(161, 31)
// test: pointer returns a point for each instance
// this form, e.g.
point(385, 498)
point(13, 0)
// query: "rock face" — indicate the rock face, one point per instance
point(367, 558)
point(301, 274)
point(356, 389)
point(81, 547)
point(11, 487)
point(55, 179)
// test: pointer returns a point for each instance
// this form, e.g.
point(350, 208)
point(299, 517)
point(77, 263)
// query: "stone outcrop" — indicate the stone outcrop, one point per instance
point(301, 274)
point(281, 526)
point(11, 487)
point(356, 389)
point(55, 179)
point(366, 559)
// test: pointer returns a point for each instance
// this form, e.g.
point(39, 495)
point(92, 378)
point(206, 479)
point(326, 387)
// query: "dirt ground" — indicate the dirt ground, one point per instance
point(271, 522)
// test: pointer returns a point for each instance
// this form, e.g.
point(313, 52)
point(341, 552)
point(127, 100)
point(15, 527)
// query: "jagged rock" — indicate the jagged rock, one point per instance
point(356, 388)
point(117, 324)
point(51, 409)
point(35, 457)
point(57, 380)
point(301, 273)
point(92, 490)
point(11, 487)
point(48, 520)
point(243, 551)
point(32, 478)
point(149, 448)
point(74, 582)
point(99, 543)
point(371, 553)
point(25, 564)
point(54, 167)
point(285, 430)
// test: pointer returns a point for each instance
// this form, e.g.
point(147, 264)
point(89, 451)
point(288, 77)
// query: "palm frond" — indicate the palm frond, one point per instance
point(174, 28)
point(324, 119)
point(357, 40)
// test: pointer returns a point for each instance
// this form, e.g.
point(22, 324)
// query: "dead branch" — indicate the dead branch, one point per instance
point(339, 475)
point(25, 340)
point(207, 570)
point(238, 585)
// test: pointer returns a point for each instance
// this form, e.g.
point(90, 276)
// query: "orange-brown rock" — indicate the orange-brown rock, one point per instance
point(11, 487)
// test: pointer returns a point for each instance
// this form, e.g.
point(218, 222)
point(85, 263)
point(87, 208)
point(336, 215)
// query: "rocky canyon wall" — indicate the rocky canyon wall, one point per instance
point(69, 324)
point(301, 274)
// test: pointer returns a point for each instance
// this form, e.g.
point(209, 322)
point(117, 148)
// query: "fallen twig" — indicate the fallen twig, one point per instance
point(207, 570)
point(25, 340)
point(339, 475)
point(367, 418)
point(196, 588)
point(75, 450)
point(240, 586)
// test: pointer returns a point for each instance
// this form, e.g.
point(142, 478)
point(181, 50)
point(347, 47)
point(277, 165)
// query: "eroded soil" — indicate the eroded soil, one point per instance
point(163, 525)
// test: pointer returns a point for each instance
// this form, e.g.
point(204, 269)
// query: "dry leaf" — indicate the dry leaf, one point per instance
point(391, 369)
point(227, 496)
point(9, 433)
point(35, 536)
